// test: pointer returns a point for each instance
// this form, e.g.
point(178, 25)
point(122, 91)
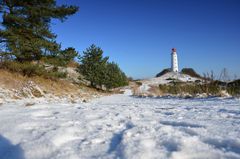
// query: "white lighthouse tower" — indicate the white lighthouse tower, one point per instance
point(174, 60)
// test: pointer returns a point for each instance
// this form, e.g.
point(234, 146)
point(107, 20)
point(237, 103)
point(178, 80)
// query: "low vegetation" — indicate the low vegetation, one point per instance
point(207, 84)
point(191, 72)
point(31, 69)
point(213, 88)
point(188, 71)
point(17, 86)
point(163, 72)
point(191, 89)
point(234, 87)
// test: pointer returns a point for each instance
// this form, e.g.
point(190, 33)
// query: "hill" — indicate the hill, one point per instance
point(188, 71)
point(150, 87)
point(14, 86)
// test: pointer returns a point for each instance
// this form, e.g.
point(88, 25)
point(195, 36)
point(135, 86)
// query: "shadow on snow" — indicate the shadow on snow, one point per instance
point(10, 151)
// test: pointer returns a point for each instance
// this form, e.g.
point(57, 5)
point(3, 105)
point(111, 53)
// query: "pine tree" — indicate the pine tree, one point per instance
point(68, 54)
point(115, 77)
point(26, 32)
point(96, 69)
point(93, 65)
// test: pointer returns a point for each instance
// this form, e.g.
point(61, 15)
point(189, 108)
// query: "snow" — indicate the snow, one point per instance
point(122, 126)
point(144, 88)
point(164, 79)
point(128, 92)
point(174, 75)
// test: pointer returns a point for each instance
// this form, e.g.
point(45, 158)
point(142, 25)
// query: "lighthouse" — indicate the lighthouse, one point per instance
point(174, 60)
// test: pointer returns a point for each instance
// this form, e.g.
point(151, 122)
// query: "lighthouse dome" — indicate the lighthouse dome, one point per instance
point(174, 50)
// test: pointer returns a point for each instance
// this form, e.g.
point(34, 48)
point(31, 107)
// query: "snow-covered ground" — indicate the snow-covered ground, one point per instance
point(121, 126)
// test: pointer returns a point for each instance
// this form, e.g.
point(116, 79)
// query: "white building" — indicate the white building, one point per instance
point(174, 60)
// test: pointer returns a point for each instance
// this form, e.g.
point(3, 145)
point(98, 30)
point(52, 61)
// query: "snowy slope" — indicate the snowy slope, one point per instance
point(174, 75)
point(164, 79)
point(122, 126)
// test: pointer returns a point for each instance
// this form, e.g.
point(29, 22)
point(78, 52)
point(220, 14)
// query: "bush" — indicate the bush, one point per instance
point(138, 83)
point(55, 75)
point(163, 72)
point(233, 87)
point(26, 68)
point(191, 72)
point(30, 69)
point(171, 79)
point(197, 81)
point(193, 89)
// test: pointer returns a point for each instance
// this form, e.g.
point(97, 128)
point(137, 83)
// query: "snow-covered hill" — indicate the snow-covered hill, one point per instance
point(166, 78)
point(147, 84)
point(122, 126)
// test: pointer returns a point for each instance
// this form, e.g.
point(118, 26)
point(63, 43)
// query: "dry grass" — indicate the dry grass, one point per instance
point(61, 88)
point(73, 64)
point(11, 80)
point(155, 91)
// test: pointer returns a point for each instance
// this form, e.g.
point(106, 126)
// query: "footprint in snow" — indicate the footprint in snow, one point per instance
point(168, 113)
point(55, 113)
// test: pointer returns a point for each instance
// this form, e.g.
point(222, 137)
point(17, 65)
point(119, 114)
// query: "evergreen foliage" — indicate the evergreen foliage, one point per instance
point(96, 69)
point(115, 77)
point(234, 87)
point(93, 65)
point(68, 54)
point(163, 72)
point(63, 58)
point(25, 33)
point(191, 72)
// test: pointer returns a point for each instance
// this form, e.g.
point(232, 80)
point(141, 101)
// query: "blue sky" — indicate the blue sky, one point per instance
point(139, 34)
